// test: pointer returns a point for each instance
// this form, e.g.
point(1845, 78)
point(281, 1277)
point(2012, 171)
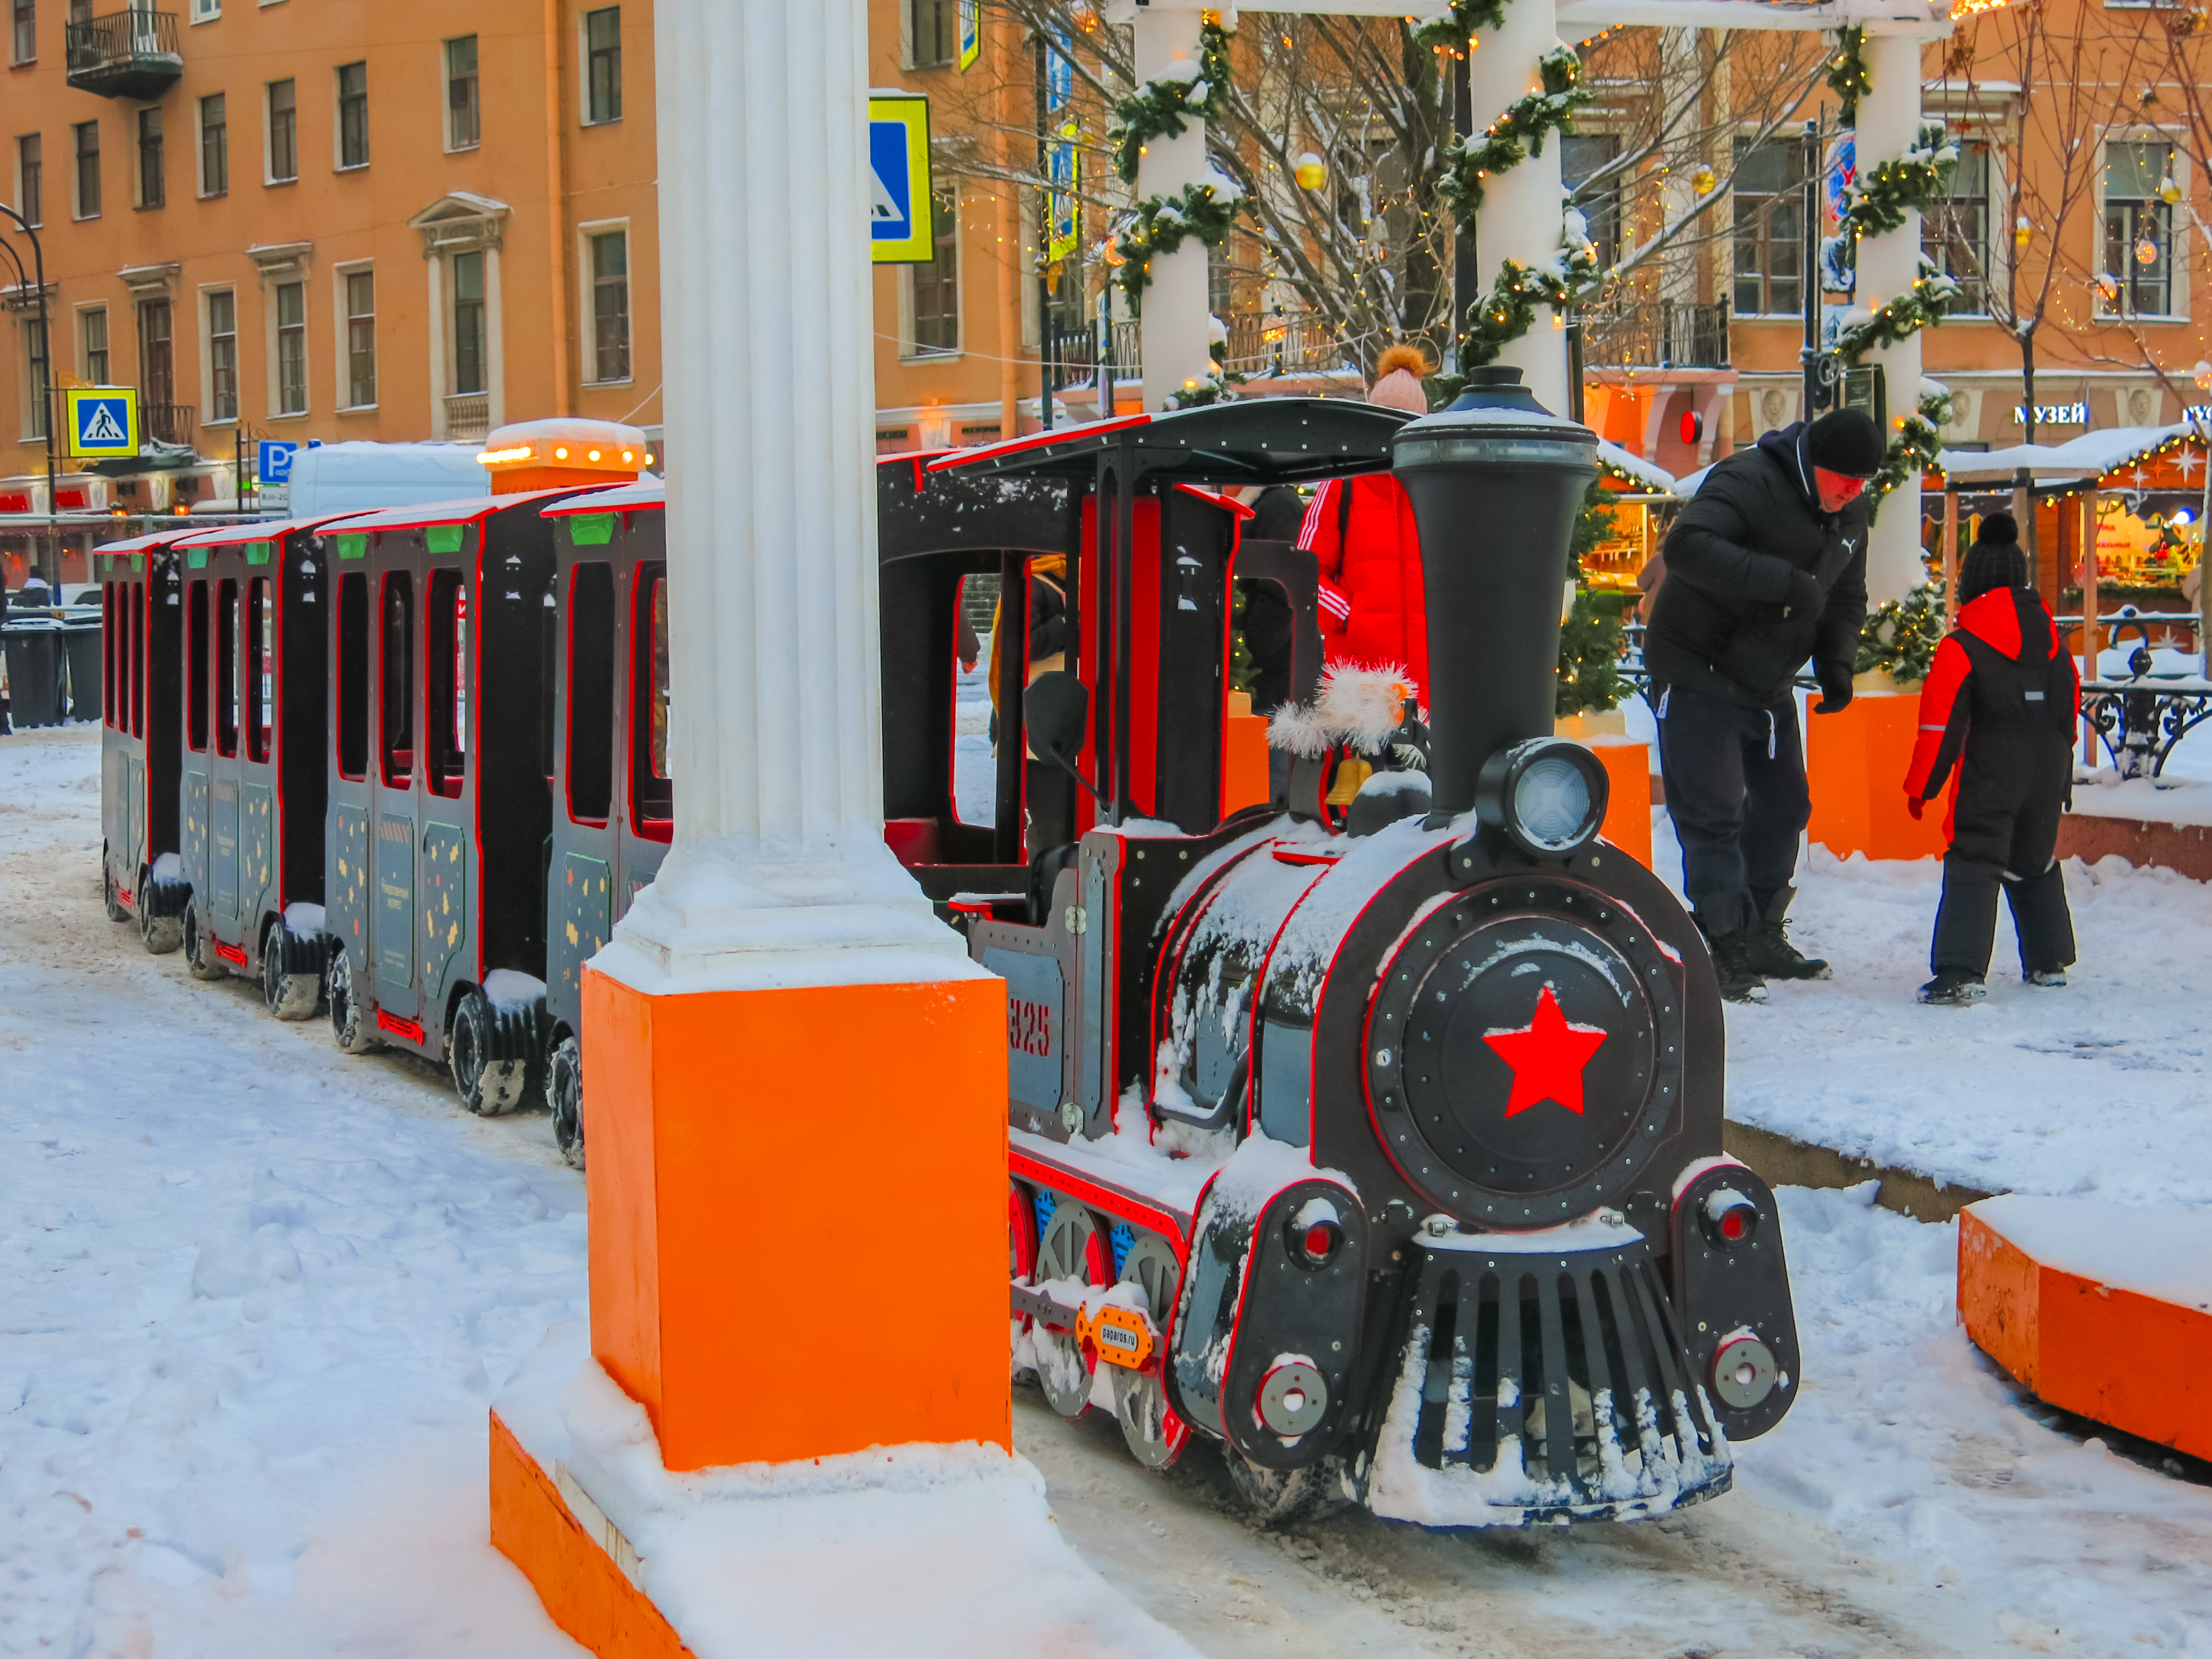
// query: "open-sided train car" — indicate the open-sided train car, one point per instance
point(444, 639)
point(254, 715)
point(1390, 1159)
point(141, 665)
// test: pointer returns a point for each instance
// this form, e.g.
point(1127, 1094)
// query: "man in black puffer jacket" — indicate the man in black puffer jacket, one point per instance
point(1765, 568)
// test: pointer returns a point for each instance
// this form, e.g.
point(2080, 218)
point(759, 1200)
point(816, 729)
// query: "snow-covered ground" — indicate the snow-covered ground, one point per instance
point(254, 1297)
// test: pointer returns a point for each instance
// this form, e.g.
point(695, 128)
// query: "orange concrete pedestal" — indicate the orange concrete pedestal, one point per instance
point(1628, 809)
point(798, 1214)
point(2096, 1308)
point(1243, 756)
point(1855, 762)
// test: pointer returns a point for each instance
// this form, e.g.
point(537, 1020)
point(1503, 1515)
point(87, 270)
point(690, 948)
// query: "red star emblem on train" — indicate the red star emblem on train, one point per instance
point(1547, 1057)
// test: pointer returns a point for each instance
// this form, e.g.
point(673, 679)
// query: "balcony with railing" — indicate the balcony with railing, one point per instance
point(132, 54)
point(468, 417)
point(1656, 334)
point(167, 423)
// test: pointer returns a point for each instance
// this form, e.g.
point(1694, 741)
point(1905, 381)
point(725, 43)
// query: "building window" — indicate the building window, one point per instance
point(291, 348)
point(353, 115)
point(937, 284)
point(30, 179)
point(464, 121)
point(153, 187)
point(1770, 228)
point(2138, 275)
point(934, 26)
point(25, 42)
point(93, 328)
point(603, 65)
point(1582, 156)
point(470, 364)
point(88, 169)
point(38, 388)
point(283, 132)
point(206, 11)
point(361, 338)
point(611, 306)
point(157, 364)
point(222, 355)
point(1954, 234)
point(214, 145)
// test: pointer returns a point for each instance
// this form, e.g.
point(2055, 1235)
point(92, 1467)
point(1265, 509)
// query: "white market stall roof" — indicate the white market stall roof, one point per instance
point(2091, 455)
point(1657, 479)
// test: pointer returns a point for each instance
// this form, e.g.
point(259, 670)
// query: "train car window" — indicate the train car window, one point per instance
point(226, 669)
point(195, 668)
point(548, 669)
point(138, 659)
point(975, 768)
point(108, 654)
point(591, 692)
point(261, 681)
point(396, 684)
point(353, 676)
point(651, 796)
point(446, 718)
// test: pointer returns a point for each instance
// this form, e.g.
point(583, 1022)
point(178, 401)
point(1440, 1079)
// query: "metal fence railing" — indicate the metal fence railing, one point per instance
point(1656, 334)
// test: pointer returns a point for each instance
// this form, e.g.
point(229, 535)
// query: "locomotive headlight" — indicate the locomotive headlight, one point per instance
point(1547, 795)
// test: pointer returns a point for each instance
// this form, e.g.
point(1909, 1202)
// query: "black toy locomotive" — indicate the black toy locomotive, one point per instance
point(1374, 1132)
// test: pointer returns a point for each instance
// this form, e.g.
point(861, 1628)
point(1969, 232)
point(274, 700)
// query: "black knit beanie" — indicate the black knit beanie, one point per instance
point(1990, 565)
point(1998, 527)
point(1846, 440)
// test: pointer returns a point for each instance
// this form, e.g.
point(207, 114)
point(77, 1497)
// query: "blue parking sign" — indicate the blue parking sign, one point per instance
point(274, 463)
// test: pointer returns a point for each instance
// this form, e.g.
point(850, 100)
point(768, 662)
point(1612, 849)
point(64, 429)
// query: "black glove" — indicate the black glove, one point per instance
point(1804, 598)
point(1835, 688)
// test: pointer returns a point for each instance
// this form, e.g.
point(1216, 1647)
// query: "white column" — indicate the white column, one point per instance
point(1889, 123)
point(1522, 208)
point(779, 873)
point(1172, 327)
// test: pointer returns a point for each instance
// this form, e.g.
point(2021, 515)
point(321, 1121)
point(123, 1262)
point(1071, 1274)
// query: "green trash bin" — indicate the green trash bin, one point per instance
point(33, 648)
point(81, 646)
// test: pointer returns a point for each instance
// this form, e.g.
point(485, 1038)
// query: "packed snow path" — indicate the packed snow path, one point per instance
point(254, 1297)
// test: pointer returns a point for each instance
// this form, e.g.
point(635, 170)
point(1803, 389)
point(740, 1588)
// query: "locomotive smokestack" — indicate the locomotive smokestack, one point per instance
point(1495, 481)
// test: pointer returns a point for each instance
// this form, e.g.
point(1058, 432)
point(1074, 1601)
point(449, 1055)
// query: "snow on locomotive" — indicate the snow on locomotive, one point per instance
point(1382, 1144)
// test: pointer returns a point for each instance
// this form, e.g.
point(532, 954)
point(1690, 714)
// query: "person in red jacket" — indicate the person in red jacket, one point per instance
point(1998, 708)
point(1372, 612)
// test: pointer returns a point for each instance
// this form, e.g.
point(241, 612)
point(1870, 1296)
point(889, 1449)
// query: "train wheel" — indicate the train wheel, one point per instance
point(564, 1092)
point(200, 959)
point(111, 895)
point(1155, 1435)
point(1276, 1497)
point(488, 1087)
point(159, 934)
point(290, 995)
point(353, 1026)
point(1073, 1248)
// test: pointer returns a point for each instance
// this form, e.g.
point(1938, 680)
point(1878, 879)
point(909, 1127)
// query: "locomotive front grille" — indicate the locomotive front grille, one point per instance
point(1542, 1386)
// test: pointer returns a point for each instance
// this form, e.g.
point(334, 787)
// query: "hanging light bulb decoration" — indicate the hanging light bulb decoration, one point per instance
point(2022, 232)
point(1704, 181)
point(2146, 251)
point(2108, 286)
point(1311, 172)
point(2203, 375)
point(2169, 191)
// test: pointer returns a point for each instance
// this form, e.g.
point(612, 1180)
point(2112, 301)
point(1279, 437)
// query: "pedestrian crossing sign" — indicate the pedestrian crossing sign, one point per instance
point(103, 421)
point(972, 33)
point(902, 230)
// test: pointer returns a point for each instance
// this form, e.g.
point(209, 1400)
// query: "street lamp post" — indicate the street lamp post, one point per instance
point(37, 276)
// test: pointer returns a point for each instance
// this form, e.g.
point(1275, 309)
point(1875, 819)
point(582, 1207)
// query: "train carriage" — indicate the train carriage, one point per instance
point(140, 760)
point(445, 630)
point(254, 717)
point(614, 808)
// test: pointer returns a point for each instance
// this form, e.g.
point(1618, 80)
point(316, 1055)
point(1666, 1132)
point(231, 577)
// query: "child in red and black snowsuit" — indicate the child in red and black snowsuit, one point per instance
point(1999, 706)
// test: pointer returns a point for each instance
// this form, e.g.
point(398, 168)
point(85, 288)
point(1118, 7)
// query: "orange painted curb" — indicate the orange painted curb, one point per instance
point(584, 1593)
point(798, 1201)
point(2137, 1362)
point(1855, 762)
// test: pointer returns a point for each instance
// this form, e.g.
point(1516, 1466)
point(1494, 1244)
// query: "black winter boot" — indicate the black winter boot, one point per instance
point(1732, 961)
point(1953, 987)
point(1771, 952)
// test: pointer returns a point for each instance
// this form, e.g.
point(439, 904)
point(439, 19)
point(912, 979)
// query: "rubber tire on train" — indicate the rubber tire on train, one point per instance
point(290, 996)
point(352, 1027)
point(200, 959)
point(488, 1088)
point(564, 1093)
point(159, 934)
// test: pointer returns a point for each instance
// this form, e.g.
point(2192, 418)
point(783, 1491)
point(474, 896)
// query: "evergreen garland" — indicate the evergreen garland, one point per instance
point(1847, 73)
point(1161, 224)
point(1508, 310)
point(1166, 108)
point(1901, 637)
point(1902, 317)
point(1915, 182)
point(1516, 135)
point(1918, 443)
point(1591, 641)
point(1450, 33)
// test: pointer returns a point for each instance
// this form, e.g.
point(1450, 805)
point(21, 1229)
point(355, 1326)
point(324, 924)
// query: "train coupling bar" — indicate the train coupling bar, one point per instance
point(1119, 1334)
